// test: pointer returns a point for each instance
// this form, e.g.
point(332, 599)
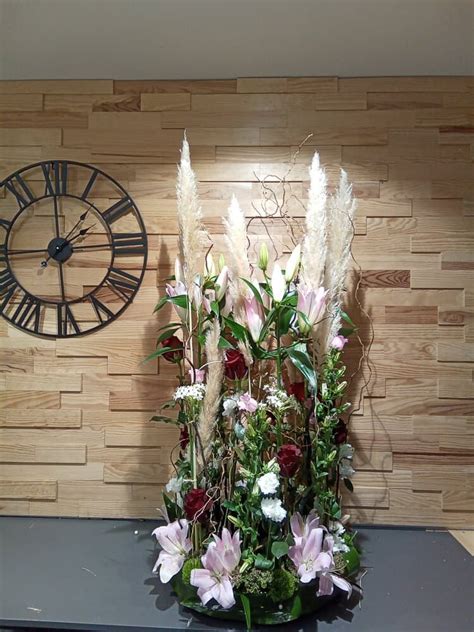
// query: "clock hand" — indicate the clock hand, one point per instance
point(25, 252)
point(61, 280)
point(81, 233)
point(79, 221)
point(56, 215)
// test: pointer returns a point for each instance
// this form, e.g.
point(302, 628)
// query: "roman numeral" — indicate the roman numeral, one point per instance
point(128, 244)
point(122, 283)
point(8, 287)
point(89, 185)
point(66, 318)
point(113, 213)
point(18, 187)
point(3, 246)
point(28, 310)
point(103, 313)
point(55, 177)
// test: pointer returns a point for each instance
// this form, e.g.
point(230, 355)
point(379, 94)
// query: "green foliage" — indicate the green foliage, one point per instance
point(279, 549)
point(283, 586)
point(188, 566)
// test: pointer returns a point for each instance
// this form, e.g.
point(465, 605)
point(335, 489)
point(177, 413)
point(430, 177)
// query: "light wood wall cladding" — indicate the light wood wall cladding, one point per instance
point(75, 437)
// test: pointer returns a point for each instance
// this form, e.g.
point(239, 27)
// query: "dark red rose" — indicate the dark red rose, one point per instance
point(289, 459)
point(298, 390)
point(235, 368)
point(183, 438)
point(177, 353)
point(340, 432)
point(197, 501)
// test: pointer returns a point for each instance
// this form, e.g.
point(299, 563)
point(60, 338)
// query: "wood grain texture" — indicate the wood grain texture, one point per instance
point(75, 439)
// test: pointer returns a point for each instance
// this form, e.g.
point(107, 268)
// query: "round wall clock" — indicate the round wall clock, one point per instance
point(73, 249)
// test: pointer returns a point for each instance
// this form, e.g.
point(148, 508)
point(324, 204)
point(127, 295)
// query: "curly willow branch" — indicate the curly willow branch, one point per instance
point(274, 205)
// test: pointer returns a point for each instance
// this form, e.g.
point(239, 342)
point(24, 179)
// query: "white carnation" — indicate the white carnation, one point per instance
point(229, 405)
point(268, 483)
point(272, 509)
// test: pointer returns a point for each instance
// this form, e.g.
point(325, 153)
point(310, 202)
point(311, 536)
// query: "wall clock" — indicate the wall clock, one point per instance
point(73, 249)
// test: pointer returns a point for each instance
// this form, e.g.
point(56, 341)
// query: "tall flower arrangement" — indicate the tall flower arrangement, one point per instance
point(254, 506)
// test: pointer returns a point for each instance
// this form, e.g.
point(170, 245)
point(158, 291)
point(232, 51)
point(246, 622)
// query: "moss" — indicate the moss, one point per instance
point(284, 585)
point(188, 566)
point(339, 562)
point(254, 581)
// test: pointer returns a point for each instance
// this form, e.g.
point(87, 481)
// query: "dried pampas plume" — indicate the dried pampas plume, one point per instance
point(315, 243)
point(236, 241)
point(192, 235)
point(342, 208)
point(210, 405)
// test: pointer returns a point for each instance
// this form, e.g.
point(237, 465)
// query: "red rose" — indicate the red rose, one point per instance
point(289, 458)
point(235, 368)
point(183, 438)
point(177, 353)
point(197, 501)
point(298, 390)
point(340, 432)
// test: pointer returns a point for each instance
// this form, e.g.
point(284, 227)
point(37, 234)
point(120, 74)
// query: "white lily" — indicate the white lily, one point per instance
point(221, 283)
point(278, 284)
point(293, 264)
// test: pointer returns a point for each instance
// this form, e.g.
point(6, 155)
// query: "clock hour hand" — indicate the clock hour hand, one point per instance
point(79, 221)
point(81, 233)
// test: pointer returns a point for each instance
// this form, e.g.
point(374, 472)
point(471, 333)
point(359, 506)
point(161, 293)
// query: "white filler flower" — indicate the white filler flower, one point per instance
point(268, 483)
point(272, 509)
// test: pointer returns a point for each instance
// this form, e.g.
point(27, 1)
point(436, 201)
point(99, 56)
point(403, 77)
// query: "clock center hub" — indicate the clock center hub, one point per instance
point(59, 249)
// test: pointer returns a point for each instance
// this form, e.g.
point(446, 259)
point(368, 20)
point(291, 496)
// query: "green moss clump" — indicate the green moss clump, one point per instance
point(283, 586)
point(254, 581)
point(188, 566)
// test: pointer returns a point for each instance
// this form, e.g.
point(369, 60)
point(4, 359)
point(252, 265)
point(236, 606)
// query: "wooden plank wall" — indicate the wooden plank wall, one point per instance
point(75, 438)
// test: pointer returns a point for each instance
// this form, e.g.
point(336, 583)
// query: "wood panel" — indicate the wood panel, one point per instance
point(75, 439)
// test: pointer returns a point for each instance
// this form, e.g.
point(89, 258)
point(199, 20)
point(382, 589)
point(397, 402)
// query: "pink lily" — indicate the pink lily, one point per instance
point(313, 557)
point(338, 342)
point(179, 289)
point(175, 544)
point(301, 528)
point(255, 318)
point(247, 403)
point(311, 305)
point(213, 581)
point(197, 375)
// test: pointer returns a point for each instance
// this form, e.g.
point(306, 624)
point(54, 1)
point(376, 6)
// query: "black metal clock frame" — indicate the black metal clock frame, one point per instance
point(122, 283)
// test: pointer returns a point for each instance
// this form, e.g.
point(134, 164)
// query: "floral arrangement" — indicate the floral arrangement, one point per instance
point(254, 508)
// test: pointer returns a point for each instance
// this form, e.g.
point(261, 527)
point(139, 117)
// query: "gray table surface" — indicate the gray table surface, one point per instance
point(96, 575)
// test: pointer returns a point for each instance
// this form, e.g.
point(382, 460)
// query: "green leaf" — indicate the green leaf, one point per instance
point(159, 352)
point(256, 293)
point(166, 334)
point(352, 559)
point(347, 318)
point(346, 331)
point(228, 504)
point(238, 331)
point(181, 300)
point(300, 358)
point(224, 344)
point(279, 549)
point(247, 610)
point(164, 419)
point(171, 508)
point(296, 608)
point(286, 314)
point(161, 303)
point(348, 484)
point(263, 562)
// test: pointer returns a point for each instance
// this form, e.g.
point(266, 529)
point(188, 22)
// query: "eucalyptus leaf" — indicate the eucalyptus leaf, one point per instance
point(279, 548)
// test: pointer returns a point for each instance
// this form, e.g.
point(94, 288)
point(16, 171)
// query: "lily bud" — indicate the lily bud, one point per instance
point(263, 257)
point(293, 264)
point(278, 284)
point(209, 266)
point(221, 283)
point(220, 262)
point(178, 270)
